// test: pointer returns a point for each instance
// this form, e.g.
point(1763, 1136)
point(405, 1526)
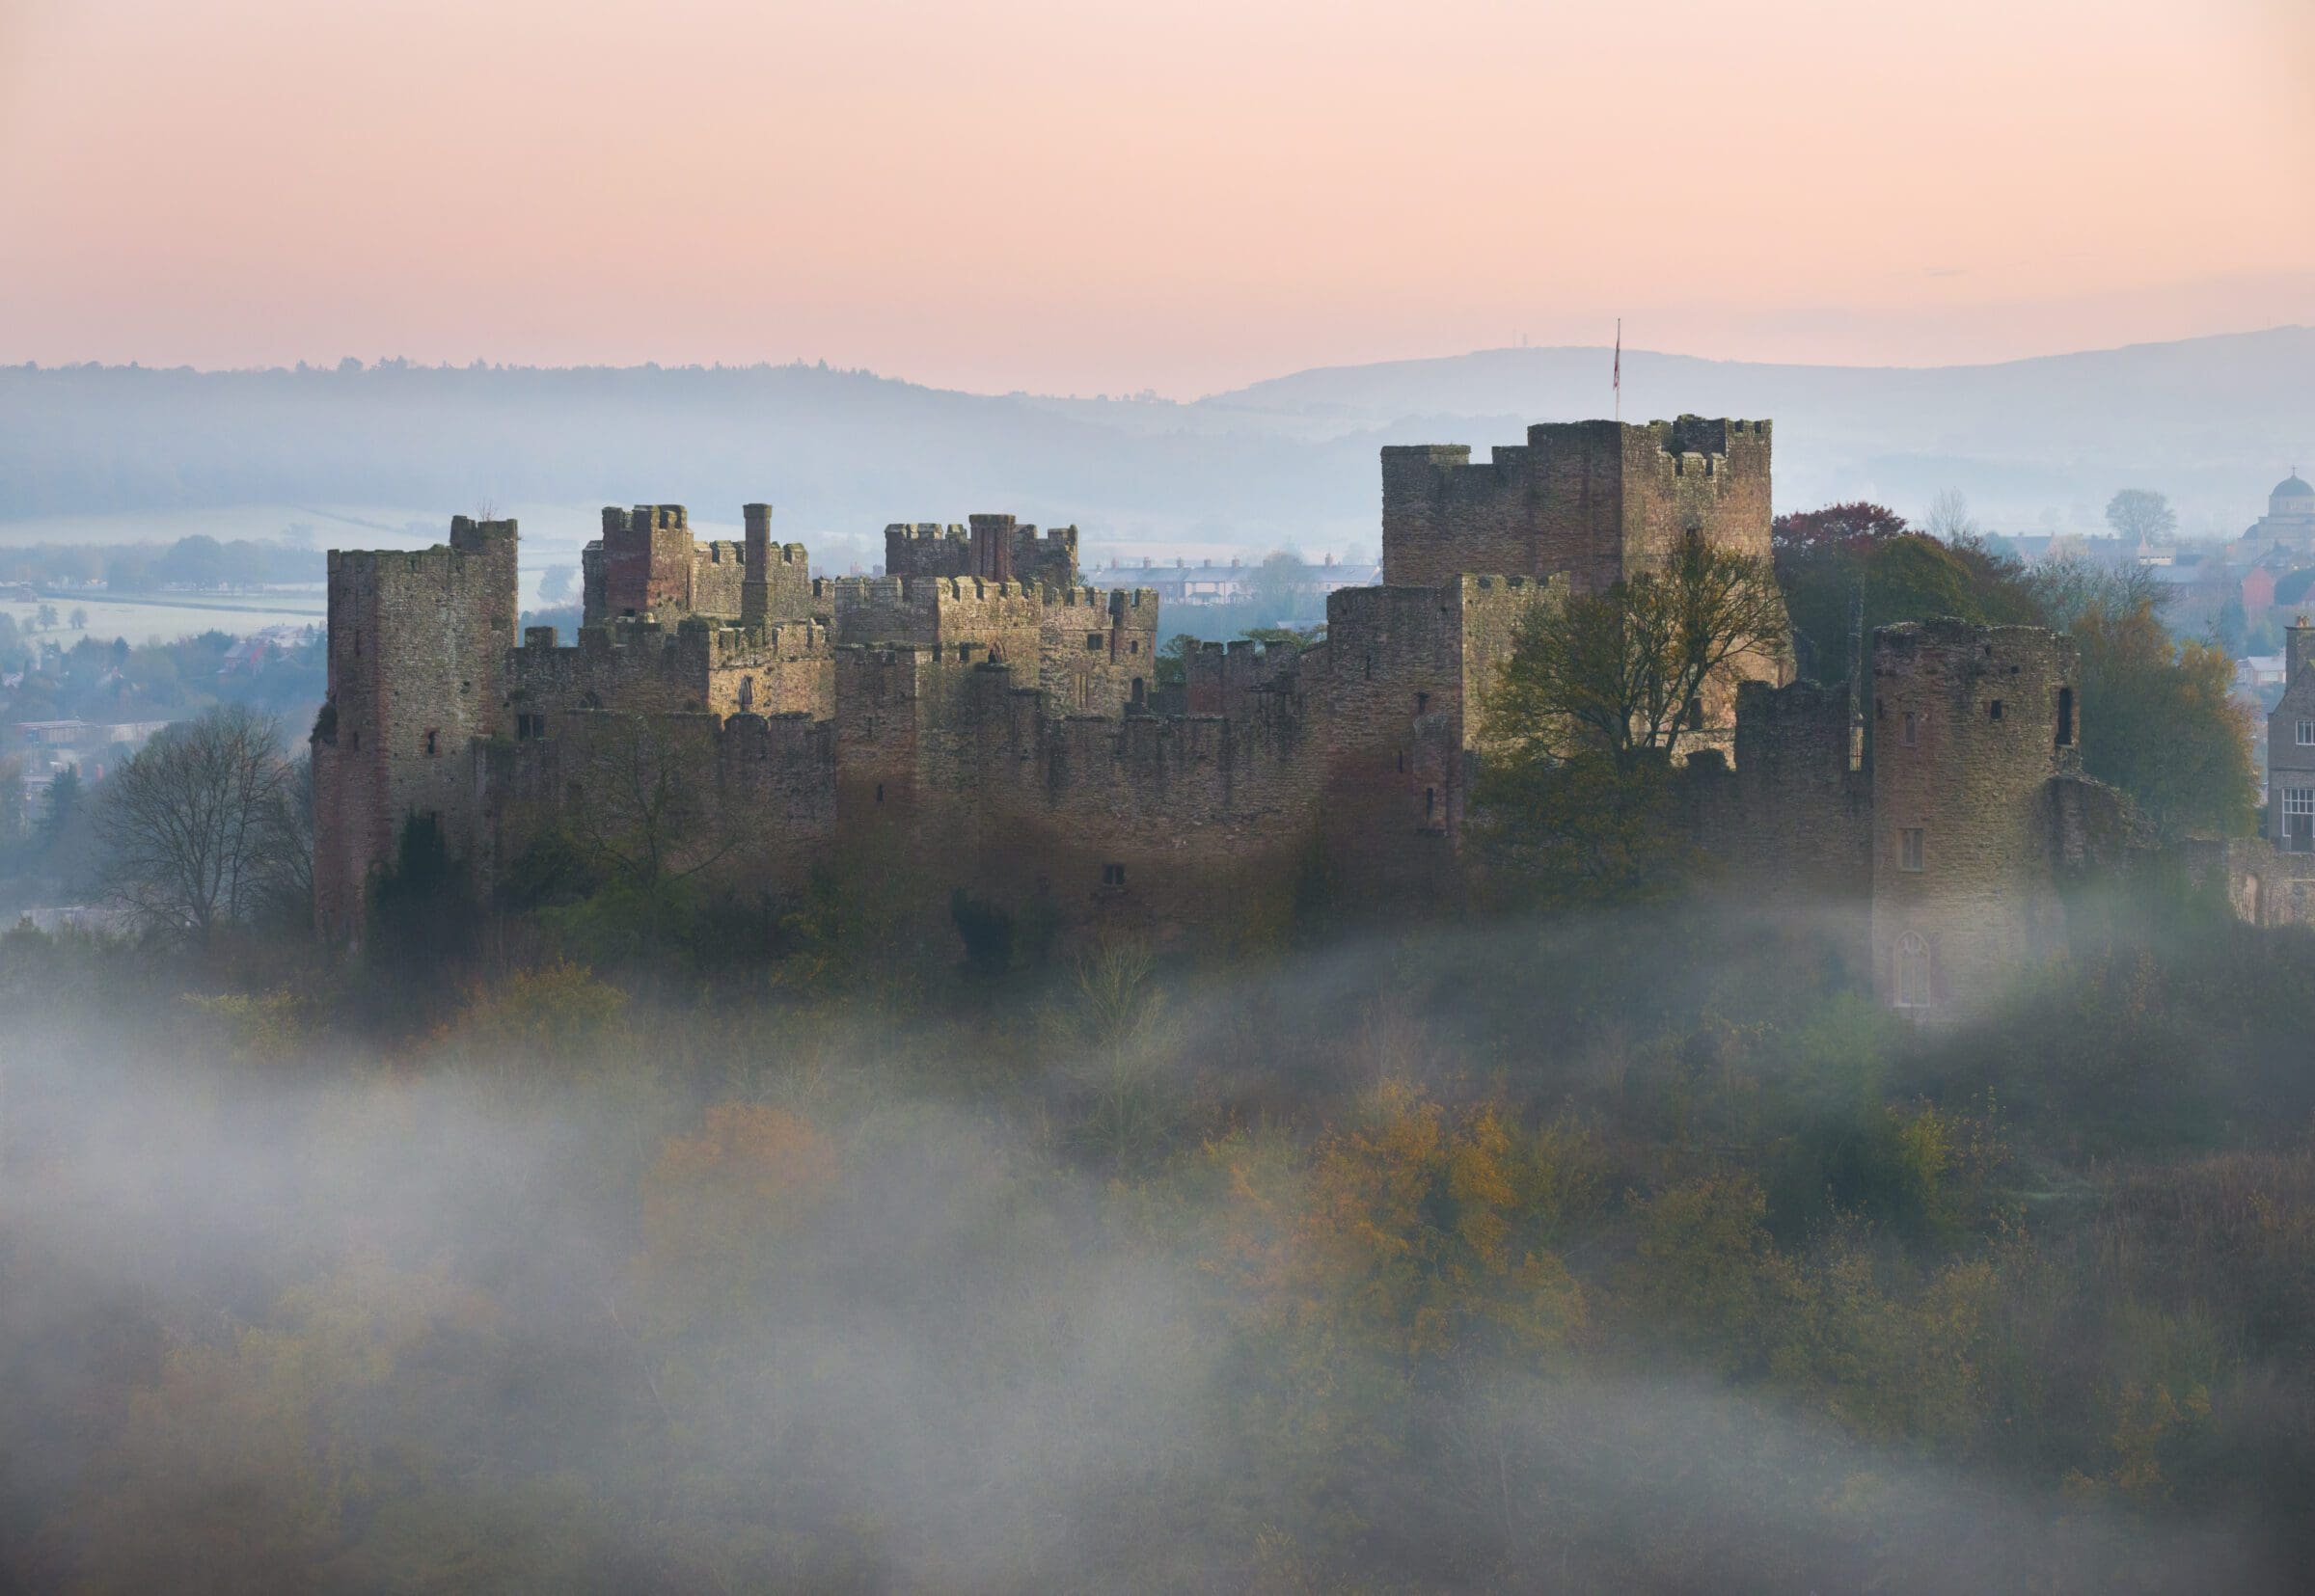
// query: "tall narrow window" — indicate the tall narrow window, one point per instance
point(1430, 801)
point(1912, 735)
point(2298, 821)
point(1912, 971)
point(2065, 717)
point(1370, 668)
point(746, 693)
point(1993, 711)
point(433, 742)
point(1910, 847)
point(1138, 692)
point(2306, 734)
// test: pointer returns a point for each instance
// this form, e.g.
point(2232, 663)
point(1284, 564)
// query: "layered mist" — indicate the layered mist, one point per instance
point(1615, 1256)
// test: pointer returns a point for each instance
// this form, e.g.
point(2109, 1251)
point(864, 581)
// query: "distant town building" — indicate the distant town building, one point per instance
point(1230, 581)
point(2289, 523)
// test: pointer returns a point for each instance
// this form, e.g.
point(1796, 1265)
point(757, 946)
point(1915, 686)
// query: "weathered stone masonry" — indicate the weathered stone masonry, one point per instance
point(979, 719)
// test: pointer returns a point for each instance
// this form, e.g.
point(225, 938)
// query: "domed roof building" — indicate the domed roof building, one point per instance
point(2290, 519)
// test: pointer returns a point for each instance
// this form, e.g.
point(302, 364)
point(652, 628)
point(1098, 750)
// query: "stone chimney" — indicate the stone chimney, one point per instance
point(2299, 650)
point(755, 582)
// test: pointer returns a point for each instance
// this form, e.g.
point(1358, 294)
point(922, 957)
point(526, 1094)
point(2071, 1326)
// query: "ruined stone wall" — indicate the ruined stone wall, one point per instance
point(787, 584)
point(1141, 821)
point(1048, 559)
point(416, 649)
point(1492, 612)
point(771, 671)
point(1441, 514)
point(718, 580)
point(749, 801)
point(995, 547)
point(2263, 886)
point(1387, 689)
point(942, 612)
point(631, 667)
point(1793, 821)
point(1971, 726)
point(927, 549)
point(1096, 652)
point(1222, 678)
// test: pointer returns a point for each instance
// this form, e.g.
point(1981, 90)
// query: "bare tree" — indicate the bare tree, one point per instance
point(2141, 515)
point(190, 824)
point(1950, 519)
point(645, 804)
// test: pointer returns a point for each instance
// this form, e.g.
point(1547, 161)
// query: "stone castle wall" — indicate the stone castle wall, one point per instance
point(986, 730)
point(995, 547)
point(1096, 652)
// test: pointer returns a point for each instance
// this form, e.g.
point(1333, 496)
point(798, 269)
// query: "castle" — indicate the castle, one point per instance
point(978, 720)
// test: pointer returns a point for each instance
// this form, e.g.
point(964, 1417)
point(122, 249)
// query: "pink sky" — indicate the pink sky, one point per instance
point(1073, 195)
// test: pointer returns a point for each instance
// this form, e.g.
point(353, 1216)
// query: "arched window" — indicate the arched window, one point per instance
point(1912, 971)
point(746, 693)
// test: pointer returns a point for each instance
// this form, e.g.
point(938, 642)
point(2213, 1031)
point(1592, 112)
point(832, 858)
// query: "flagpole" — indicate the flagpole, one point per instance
point(1620, 370)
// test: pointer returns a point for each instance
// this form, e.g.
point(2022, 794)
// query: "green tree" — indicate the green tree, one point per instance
point(1599, 697)
point(1624, 673)
point(2160, 722)
point(15, 812)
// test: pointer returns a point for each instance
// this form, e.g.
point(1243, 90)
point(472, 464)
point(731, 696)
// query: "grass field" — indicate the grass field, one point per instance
point(160, 619)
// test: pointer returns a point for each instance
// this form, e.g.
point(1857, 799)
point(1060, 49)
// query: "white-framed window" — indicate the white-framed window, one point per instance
point(2306, 734)
point(1910, 847)
point(1912, 971)
point(2296, 827)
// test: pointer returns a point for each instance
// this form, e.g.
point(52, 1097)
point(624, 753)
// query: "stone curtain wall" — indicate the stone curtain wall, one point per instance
point(1094, 646)
point(960, 729)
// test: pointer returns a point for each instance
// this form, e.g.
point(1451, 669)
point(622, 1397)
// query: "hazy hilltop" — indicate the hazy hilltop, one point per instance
point(2035, 444)
point(2212, 422)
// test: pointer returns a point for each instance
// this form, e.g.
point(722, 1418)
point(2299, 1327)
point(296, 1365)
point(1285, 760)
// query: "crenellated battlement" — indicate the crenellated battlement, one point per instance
point(1594, 500)
point(983, 720)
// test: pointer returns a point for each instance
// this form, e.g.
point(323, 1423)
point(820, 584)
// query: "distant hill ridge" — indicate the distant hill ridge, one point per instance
point(2033, 443)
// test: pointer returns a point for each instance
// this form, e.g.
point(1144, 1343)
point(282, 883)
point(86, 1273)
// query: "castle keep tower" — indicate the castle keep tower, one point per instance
point(1594, 500)
point(418, 651)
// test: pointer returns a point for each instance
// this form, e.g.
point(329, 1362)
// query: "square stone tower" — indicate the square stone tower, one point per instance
point(419, 644)
point(1593, 501)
